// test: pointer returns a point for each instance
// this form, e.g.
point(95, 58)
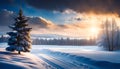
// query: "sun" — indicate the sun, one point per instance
point(94, 30)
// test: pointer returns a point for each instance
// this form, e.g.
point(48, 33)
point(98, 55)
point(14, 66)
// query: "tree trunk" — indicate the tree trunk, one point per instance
point(117, 38)
point(19, 52)
point(107, 35)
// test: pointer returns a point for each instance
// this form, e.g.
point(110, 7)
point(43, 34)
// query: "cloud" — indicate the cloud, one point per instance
point(81, 6)
point(7, 2)
point(6, 17)
point(10, 4)
point(41, 25)
point(40, 22)
point(96, 6)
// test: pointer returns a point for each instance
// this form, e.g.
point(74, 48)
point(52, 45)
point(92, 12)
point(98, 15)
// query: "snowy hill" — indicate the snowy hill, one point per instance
point(25, 61)
point(15, 61)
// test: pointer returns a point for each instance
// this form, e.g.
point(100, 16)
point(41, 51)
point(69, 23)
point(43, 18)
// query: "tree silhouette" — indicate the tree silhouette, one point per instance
point(110, 37)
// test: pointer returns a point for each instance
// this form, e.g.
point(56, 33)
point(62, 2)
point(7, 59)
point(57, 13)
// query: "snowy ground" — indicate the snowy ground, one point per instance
point(63, 57)
point(12, 60)
point(24, 61)
point(76, 57)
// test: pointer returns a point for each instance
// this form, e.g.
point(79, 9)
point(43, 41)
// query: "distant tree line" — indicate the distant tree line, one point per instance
point(54, 41)
point(3, 39)
point(62, 41)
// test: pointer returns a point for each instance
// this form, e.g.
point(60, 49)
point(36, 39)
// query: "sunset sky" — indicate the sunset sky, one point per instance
point(75, 18)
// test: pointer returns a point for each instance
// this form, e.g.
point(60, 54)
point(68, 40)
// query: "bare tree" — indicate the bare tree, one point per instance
point(110, 41)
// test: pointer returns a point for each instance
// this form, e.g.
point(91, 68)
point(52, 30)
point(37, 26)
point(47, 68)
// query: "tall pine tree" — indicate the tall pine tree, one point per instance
point(20, 36)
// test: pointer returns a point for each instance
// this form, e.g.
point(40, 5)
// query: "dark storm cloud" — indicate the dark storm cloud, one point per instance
point(11, 4)
point(6, 2)
point(6, 17)
point(96, 6)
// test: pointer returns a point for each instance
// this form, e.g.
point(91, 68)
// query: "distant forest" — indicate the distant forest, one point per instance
point(55, 41)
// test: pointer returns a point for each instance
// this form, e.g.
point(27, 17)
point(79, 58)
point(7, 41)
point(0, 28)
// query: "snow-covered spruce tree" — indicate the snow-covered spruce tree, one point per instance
point(20, 36)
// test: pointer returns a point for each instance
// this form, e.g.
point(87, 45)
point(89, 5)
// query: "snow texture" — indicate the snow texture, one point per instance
point(78, 57)
point(25, 61)
point(60, 57)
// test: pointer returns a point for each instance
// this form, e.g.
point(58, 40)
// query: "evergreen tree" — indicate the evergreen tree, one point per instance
point(20, 36)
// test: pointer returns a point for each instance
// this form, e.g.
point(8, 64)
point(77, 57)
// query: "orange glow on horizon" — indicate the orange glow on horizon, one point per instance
point(91, 25)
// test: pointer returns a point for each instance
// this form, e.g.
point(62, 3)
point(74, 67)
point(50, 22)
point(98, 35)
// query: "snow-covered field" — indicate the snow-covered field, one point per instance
point(61, 57)
point(25, 61)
